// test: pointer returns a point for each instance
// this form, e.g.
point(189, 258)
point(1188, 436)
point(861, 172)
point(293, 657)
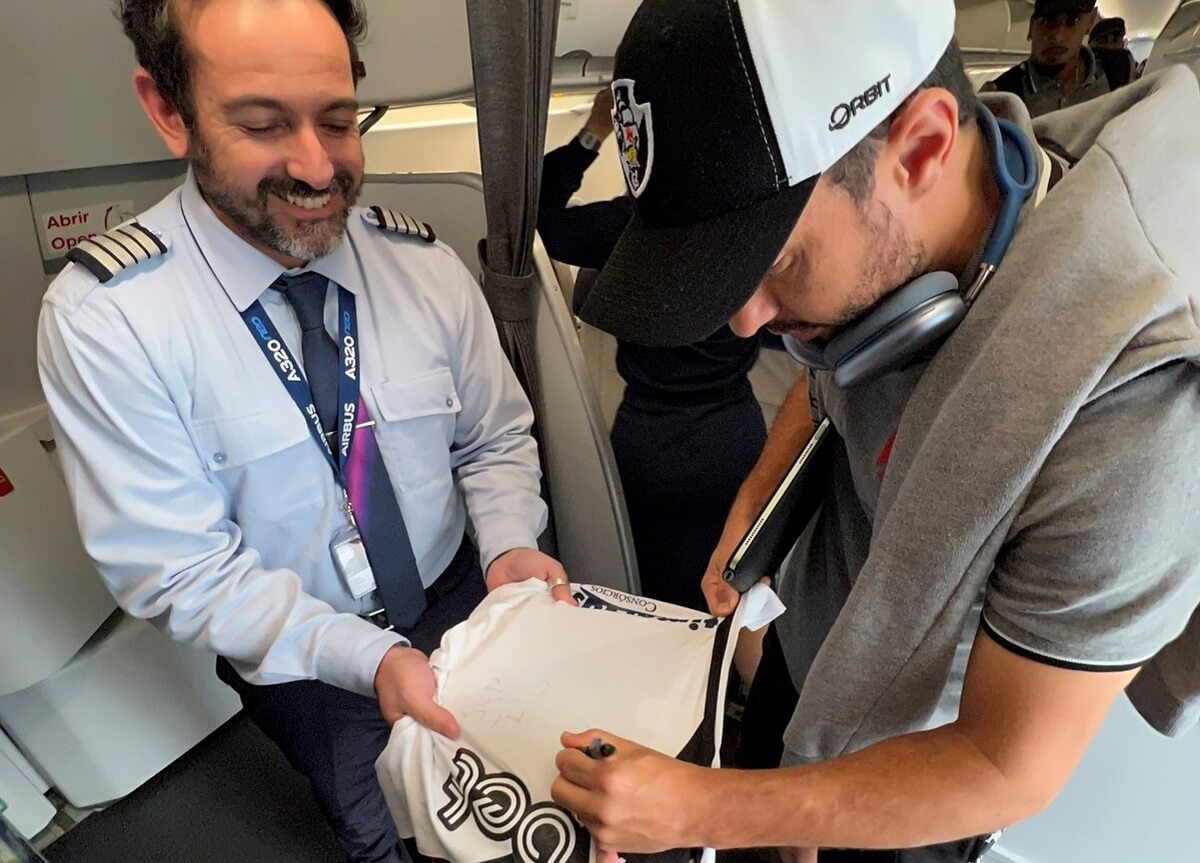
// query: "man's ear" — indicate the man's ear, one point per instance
point(921, 141)
point(164, 116)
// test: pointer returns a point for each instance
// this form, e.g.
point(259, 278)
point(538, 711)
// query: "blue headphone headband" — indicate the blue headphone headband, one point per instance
point(1016, 169)
point(919, 315)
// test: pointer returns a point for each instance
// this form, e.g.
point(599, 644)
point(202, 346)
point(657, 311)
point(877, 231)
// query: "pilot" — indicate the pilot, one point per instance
point(1006, 344)
point(689, 428)
point(277, 411)
point(1061, 70)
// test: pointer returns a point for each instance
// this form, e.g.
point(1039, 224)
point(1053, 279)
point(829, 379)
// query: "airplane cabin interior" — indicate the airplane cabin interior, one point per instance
point(117, 743)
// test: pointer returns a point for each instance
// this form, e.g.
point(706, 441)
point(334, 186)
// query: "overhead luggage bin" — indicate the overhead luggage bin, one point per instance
point(69, 67)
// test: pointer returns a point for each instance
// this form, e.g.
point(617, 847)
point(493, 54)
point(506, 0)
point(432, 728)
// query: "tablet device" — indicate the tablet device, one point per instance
point(788, 511)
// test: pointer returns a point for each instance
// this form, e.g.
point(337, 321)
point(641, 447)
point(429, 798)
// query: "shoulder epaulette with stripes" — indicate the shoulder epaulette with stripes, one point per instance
point(398, 223)
point(112, 252)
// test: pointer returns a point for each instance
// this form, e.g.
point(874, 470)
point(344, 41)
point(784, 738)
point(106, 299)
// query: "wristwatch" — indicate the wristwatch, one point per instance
point(589, 140)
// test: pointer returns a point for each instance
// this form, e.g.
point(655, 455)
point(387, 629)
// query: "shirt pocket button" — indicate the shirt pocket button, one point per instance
point(220, 457)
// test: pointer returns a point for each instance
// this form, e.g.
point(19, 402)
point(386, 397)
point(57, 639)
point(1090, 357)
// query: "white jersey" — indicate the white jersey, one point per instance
point(522, 670)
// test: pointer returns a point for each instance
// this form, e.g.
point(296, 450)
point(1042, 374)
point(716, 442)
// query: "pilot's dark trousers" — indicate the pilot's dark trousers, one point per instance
point(769, 708)
point(334, 737)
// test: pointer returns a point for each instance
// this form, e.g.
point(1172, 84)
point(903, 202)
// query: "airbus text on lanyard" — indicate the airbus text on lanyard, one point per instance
point(349, 555)
point(276, 351)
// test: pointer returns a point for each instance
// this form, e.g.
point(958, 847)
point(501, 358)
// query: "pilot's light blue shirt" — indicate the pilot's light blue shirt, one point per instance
point(200, 494)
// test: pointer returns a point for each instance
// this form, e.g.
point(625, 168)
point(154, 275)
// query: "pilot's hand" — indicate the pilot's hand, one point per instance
point(600, 122)
point(522, 564)
point(636, 800)
point(405, 686)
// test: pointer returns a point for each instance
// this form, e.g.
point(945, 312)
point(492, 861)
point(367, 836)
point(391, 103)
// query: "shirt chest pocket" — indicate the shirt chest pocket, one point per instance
point(228, 442)
point(415, 421)
point(267, 462)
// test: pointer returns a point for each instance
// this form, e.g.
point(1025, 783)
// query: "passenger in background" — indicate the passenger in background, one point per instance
point(293, 504)
point(1110, 35)
point(689, 428)
point(1061, 71)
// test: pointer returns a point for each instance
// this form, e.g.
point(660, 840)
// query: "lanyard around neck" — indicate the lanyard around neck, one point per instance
point(290, 375)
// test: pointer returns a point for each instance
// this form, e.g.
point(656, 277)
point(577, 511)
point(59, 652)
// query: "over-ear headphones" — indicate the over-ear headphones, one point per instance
point(919, 315)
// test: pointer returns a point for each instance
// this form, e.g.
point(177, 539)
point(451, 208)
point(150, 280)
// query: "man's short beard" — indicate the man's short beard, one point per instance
point(899, 259)
point(1049, 70)
point(313, 240)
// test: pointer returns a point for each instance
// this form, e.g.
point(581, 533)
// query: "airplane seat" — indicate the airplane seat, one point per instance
point(591, 523)
point(96, 703)
point(23, 790)
point(565, 276)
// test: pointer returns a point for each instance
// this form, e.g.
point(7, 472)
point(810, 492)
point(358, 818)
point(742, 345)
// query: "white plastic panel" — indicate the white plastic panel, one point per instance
point(136, 187)
point(595, 26)
point(982, 25)
point(594, 542)
point(51, 599)
point(22, 201)
point(416, 52)
point(1180, 40)
point(127, 706)
point(23, 790)
point(21, 290)
point(1133, 798)
point(67, 67)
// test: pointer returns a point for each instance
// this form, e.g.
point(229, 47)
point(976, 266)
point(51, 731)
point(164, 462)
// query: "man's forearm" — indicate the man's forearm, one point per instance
point(918, 789)
point(793, 426)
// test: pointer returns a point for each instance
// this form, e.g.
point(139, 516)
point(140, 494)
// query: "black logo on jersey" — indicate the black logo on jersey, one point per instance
point(635, 135)
point(503, 811)
point(607, 599)
point(847, 111)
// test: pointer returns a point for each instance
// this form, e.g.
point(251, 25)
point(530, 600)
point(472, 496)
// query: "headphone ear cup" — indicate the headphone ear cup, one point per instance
point(909, 320)
point(806, 354)
point(893, 333)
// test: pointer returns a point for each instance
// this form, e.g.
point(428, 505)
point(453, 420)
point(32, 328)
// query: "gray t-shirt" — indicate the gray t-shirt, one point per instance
point(1104, 546)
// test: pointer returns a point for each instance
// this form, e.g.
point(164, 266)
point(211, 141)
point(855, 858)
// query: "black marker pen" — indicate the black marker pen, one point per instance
point(598, 750)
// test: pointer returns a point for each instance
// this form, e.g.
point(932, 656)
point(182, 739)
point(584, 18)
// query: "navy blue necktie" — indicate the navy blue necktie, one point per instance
point(380, 521)
point(322, 360)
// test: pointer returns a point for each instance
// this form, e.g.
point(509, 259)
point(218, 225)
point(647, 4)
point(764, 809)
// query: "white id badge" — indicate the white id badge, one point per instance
point(350, 560)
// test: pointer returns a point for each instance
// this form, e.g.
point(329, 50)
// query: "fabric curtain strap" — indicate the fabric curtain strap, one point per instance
point(511, 296)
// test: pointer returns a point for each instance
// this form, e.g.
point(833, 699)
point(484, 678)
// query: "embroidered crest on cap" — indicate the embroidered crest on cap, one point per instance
point(398, 223)
point(125, 246)
point(635, 135)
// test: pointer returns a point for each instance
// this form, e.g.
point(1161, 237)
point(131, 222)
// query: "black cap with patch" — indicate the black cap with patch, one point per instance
point(1047, 8)
point(712, 202)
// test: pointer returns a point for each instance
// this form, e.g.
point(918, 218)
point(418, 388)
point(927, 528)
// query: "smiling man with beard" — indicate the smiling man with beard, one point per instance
point(276, 411)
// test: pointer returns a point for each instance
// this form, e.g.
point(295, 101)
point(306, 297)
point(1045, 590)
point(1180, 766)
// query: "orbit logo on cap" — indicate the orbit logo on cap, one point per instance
point(635, 135)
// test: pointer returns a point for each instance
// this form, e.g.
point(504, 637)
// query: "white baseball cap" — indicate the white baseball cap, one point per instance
point(726, 114)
